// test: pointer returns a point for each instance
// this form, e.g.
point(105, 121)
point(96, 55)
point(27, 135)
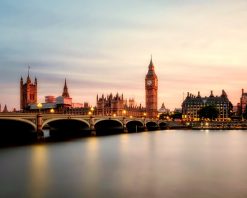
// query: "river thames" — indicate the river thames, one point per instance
point(172, 163)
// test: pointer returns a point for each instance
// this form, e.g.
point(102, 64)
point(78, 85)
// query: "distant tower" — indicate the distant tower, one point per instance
point(65, 90)
point(28, 92)
point(151, 87)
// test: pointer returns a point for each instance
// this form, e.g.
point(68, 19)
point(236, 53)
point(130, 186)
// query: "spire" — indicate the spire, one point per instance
point(28, 77)
point(65, 90)
point(5, 110)
point(151, 65)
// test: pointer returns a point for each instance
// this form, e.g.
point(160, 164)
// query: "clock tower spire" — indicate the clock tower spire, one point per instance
point(151, 87)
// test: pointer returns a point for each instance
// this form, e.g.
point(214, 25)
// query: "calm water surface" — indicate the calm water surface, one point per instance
point(150, 164)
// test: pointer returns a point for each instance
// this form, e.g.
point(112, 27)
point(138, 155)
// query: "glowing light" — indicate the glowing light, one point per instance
point(52, 111)
point(39, 105)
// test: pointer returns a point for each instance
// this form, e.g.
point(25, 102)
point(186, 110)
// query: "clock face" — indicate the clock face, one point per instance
point(149, 82)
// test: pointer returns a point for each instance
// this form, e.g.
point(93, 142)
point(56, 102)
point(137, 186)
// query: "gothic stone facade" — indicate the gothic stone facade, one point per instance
point(28, 93)
point(151, 88)
point(116, 105)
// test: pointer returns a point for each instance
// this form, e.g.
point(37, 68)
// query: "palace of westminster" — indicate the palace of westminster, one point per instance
point(117, 105)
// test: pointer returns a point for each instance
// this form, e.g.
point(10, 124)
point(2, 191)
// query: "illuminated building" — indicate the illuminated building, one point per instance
point(242, 105)
point(117, 105)
point(28, 93)
point(151, 88)
point(192, 104)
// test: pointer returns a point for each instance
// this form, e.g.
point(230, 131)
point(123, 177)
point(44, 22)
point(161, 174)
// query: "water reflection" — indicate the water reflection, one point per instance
point(38, 171)
point(150, 164)
point(90, 176)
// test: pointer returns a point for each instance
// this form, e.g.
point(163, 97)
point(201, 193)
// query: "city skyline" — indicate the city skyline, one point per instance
point(104, 47)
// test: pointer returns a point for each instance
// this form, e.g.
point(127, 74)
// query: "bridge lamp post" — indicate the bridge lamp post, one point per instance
point(52, 111)
point(39, 121)
point(39, 105)
point(158, 117)
point(92, 110)
point(144, 114)
point(124, 113)
point(89, 113)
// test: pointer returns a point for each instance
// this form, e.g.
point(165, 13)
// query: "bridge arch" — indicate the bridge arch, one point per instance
point(152, 126)
point(5, 122)
point(134, 126)
point(64, 119)
point(17, 131)
point(163, 125)
point(60, 128)
point(108, 126)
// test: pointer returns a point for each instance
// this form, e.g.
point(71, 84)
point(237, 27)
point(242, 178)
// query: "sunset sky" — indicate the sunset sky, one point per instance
point(105, 46)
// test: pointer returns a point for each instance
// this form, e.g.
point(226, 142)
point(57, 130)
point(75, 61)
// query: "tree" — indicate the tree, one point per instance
point(163, 116)
point(176, 115)
point(210, 112)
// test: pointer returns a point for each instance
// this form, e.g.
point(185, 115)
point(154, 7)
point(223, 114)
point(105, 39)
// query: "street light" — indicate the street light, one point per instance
point(39, 105)
point(124, 112)
point(52, 111)
point(92, 109)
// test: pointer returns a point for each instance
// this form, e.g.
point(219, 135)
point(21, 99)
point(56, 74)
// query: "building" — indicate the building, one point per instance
point(50, 99)
point(241, 107)
point(192, 104)
point(163, 110)
point(61, 104)
point(28, 93)
point(110, 104)
point(151, 88)
point(118, 106)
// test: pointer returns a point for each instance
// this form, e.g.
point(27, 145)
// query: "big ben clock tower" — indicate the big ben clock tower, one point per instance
point(151, 87)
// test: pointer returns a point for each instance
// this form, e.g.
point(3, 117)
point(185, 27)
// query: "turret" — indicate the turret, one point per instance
point(198, 95)
point(224, 94)
point(5, 110)
point(211, 94)
point(21, 81)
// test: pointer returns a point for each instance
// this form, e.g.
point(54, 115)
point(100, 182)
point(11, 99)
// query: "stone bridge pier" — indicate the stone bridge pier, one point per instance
point(39, 123)
point(92, 128)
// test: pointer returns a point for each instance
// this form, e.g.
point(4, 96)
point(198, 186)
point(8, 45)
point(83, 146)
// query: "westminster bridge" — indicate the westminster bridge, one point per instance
point(19, 125)
point(36, 123)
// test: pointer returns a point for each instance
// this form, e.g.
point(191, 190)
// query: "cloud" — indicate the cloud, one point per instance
point(103, 47)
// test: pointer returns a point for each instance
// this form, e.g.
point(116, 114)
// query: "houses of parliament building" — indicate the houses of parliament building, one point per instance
point(110, 105)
